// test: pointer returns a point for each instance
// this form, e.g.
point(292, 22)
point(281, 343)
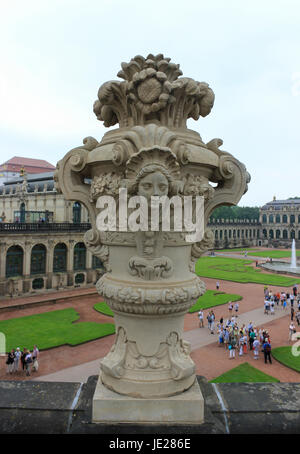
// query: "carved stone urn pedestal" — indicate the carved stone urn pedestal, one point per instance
point(150, 284)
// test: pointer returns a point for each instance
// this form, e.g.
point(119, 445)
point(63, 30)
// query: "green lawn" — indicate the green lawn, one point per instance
point(238, 270)
point(244, 373)
point(51, 329)
point(213, 298)
point(104, 309)
point(274, 254)
point(284, 355)
point(237, 249)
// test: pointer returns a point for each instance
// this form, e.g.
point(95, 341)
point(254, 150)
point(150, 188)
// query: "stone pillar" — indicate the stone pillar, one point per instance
point(70, 263)
point(49, 263)
point(150, 283)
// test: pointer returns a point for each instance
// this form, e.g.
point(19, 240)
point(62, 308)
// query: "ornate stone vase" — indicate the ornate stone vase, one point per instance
point(150, 282)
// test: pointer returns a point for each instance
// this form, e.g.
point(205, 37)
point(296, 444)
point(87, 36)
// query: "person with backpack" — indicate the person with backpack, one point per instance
point(28, 362)
point(232, 347)
point(267, 351)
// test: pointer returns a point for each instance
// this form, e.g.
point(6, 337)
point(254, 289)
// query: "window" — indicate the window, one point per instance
point(96, 262)
point(284, 219)
point(271, 219)
point(79, 256)
point(271, 234)
point(264, 233)
point(284, 234)
point(293, 234)
point(264, 218)
point(38, 259)
point(76, 213)
point(277, 234)
point(278, 218)
point(14, 261)
point(60, 258)
point(79, 278)
point(292, 219)
point(38, 283)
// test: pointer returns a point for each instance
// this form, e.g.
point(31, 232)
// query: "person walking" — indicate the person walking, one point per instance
point(35, 355)
point(236, 308)
point(292, 313)
point(232, 347)
point(267, 351)
point(212, 325)
point(217, 285)
point(10, 362)
point(200, 316)
point(17, 359)
point(28, 362)
point(292, 330)
point(256, 345)
point(23, 355)
point(230, 307)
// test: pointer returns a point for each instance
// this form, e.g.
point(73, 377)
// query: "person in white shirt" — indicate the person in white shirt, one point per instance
point(200, 316)
point(256, 345)
point(17, 359)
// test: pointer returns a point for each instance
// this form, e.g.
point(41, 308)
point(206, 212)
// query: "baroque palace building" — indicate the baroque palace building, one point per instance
point(41, 236)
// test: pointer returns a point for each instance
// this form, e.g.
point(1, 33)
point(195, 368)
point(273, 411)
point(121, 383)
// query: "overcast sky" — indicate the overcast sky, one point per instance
point(56, 54)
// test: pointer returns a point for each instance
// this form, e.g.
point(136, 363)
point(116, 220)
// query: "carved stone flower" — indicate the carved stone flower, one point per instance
point(150, 82)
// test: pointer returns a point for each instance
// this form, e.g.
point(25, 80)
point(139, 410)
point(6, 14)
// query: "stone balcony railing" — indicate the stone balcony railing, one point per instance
point(40, 227)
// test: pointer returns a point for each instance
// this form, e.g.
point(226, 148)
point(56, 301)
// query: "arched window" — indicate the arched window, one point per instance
point(264, 218)
point(293, 234)
point(238, 233)
point(271, 219)
point(284, 234)
point(79, 256)
point(277, 218)
point(271, 234)
point(265, 233)
point(38, 259)
point(76, 213)
point(60, 258)
point(229, 233)
point(277, 234)
point(14, 261)
point(216, 234)
point(221, 234)
point(292, 219)
point(299, 235)
point(298, 218)
point(284, 219)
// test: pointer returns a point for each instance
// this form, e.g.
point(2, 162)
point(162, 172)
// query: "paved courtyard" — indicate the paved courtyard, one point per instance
point(68, 363)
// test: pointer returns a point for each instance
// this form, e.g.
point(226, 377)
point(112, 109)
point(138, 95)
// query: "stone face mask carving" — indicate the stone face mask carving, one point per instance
point(149, 283)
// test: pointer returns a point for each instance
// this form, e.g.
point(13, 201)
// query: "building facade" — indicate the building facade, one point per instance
point(41, 239)
point(280, 222)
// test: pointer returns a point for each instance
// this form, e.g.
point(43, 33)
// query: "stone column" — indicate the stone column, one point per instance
point(70, 262)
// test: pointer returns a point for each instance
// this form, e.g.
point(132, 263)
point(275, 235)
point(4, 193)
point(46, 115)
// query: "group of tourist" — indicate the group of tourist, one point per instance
point(248, 338)
point(25, 360)
point(235, 338)
point(283, 300)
